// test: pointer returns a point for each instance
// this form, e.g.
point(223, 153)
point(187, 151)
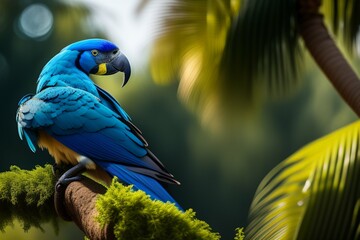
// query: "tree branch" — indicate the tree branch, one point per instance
point(327, 55)
point(80, 204)
point(117, 212)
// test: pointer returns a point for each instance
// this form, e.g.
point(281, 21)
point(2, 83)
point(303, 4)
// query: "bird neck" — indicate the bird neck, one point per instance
point(61, 71)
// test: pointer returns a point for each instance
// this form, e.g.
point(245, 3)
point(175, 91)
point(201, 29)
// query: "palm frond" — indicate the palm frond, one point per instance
point(224, 56)
point(189, 48)
point(314, 194)
point(345, 20)
point(236, 53)
point(261, 53)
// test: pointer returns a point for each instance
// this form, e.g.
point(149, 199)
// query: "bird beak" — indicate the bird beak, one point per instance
point(119, 64)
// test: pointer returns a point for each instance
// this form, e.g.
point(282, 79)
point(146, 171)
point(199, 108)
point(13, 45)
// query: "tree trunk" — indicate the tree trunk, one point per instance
point(327, 55)
point(80, 199)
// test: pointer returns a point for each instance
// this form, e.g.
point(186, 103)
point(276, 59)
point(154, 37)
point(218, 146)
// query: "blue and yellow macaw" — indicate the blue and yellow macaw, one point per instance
point(82, 125)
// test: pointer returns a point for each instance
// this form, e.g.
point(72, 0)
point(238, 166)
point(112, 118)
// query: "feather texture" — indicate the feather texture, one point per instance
point(72, 117)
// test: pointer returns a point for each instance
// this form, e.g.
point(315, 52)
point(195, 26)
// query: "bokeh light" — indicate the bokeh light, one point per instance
point(36, 21)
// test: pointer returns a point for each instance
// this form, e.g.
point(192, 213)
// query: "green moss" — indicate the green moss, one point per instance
point(27, 196)
point(136, 216)
point(239, 234)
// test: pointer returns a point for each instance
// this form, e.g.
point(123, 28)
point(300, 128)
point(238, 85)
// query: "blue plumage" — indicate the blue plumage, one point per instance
point(90, 44)
point(86, 119)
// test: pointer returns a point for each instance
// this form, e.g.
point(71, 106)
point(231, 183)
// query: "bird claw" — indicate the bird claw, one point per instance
point(67, 175)
point(66, 181)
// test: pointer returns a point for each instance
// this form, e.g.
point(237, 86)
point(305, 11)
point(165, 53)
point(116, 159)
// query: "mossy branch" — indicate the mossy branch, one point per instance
point(113, 213)
point(136, 216)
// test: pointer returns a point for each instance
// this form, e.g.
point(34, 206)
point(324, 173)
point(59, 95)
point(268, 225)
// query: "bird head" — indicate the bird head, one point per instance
point(100, 57)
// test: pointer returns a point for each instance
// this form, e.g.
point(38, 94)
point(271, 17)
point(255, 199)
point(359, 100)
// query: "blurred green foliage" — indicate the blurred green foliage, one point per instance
point(231, 56)
point(25, 196)
point(219, 167)
point(239, 234)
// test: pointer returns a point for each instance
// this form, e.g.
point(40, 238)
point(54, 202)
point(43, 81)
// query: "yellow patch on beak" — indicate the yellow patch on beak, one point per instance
point(102, 69)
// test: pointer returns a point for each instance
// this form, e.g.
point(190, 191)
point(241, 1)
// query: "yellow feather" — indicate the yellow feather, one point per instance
point(61, 153)
point(64, 155)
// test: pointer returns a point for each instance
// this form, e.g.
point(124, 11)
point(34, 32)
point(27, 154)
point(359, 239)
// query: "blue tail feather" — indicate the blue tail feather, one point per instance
point(30, 141)
point(29, 137)
point(140, 182)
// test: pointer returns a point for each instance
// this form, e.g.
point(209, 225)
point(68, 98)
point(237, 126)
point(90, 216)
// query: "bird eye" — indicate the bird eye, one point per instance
point(94, 52)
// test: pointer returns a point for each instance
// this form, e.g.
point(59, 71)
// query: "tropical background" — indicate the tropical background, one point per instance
point(221, 97)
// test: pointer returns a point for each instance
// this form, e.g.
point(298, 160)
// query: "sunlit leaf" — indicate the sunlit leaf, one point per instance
point(314, 194)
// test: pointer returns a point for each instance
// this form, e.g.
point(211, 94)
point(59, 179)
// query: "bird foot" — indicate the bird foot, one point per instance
point(70, 175)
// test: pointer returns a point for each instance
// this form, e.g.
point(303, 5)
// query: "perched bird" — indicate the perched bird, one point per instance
point(83, 125)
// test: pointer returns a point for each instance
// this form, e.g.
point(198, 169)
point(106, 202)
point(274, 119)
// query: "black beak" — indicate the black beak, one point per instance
point(120, 63)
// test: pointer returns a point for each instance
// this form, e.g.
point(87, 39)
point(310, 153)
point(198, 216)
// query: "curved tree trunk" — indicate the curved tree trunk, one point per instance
point(327, 55)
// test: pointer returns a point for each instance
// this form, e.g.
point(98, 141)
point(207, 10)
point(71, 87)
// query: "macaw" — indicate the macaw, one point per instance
point(81, 124)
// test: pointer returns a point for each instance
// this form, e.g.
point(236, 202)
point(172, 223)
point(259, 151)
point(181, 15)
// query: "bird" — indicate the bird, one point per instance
point(82, 125)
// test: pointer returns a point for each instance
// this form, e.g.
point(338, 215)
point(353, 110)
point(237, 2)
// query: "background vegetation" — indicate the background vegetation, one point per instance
point(220, 164)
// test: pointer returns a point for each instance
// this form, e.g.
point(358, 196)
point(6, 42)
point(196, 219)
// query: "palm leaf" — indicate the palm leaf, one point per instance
point(261, 54)
point(231, 55)
point(189, 48)
point(314, 194)
point(344, 19)
point(258, 41)
point(223, 56)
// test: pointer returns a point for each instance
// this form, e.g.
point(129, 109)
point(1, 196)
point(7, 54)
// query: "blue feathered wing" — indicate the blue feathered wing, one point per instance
point(97, 128)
